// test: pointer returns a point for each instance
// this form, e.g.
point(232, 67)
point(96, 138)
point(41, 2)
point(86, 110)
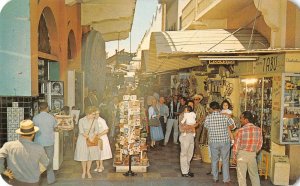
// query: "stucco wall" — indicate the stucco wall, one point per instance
point(172, 15)
point(66, 18)
point(15, 72)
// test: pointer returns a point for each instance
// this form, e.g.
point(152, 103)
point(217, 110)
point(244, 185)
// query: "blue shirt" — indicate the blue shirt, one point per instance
point(46, 122)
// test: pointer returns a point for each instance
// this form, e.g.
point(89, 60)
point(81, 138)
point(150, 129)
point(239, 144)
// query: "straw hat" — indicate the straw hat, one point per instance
point(198, 96)
point(27, 127)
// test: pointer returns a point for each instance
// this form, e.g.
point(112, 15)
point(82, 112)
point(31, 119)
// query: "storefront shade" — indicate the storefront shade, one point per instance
point(175, 50)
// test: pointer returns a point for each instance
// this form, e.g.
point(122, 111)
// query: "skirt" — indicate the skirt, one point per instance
point(156, 133)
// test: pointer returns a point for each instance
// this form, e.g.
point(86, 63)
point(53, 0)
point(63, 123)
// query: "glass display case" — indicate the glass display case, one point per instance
point(290, 112)
point(256, 96)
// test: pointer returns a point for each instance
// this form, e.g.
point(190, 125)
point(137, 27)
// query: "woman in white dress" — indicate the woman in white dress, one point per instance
point(105, 150)
point(88, 128)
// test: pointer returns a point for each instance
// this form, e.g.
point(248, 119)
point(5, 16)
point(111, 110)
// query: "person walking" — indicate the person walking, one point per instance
point(248, 142)
point(45, 136)
point(218, 140)
point(23, 157)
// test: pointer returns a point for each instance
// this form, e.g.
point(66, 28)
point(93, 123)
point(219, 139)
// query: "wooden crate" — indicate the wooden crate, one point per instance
point(281, 170)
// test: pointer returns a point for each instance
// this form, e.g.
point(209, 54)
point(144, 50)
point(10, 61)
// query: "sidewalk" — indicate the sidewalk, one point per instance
point(164, 170)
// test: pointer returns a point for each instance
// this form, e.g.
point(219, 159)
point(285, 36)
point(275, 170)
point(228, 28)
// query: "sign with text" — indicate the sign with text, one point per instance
point(269, 64)
point(221, 62)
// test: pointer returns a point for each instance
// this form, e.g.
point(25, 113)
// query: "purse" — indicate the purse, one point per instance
point(94, 142)
point(154, 122)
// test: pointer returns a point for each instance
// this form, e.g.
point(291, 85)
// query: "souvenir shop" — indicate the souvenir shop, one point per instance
point(265, 82)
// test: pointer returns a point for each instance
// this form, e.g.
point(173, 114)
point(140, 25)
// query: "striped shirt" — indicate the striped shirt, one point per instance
point(248, 138)
point(217, 126)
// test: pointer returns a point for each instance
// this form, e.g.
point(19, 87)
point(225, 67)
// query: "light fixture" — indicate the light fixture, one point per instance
point(249, 81)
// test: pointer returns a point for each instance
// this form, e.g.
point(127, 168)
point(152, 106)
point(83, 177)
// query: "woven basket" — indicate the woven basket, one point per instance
point(205, 153)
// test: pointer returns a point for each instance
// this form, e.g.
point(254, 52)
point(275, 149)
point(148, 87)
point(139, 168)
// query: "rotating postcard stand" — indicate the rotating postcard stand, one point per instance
point(130, 146)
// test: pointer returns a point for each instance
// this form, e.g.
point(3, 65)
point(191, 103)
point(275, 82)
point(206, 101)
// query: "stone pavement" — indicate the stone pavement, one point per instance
point(164, 170)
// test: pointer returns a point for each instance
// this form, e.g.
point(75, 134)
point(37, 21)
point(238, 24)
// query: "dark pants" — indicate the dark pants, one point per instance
point(163, 126)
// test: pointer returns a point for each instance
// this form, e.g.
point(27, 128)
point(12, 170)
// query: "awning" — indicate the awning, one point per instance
point(175, 50)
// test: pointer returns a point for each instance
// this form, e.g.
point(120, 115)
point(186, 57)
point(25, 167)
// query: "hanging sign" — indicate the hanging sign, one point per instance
point(269, 63)
point(221, 62)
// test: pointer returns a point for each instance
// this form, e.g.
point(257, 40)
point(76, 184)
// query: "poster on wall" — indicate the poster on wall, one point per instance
point(57, 103)
point(57, 88)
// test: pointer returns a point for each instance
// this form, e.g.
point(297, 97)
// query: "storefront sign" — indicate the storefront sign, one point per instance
point(270, 63)
point(221, 62)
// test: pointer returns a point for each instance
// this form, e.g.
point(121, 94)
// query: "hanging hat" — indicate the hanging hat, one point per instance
point(27, 127)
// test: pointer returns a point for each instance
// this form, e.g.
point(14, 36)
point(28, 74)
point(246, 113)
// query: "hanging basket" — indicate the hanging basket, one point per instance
point(205, 154)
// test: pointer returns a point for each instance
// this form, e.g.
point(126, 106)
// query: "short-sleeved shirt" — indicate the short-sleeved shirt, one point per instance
point(217, 126)
point(248, 138)
point(189, 118)
point(200, 111)
point(46, 122)
point(23, 158)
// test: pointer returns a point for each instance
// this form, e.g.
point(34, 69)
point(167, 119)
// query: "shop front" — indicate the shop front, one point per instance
point(269, 88)
point(260, 80)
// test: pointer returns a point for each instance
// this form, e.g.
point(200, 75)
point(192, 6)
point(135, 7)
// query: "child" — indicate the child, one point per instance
point(189, 117)
point(226, 110)
point(226, 106)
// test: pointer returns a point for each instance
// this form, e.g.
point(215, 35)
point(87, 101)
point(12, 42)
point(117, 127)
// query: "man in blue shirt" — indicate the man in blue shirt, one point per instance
point(45, 136)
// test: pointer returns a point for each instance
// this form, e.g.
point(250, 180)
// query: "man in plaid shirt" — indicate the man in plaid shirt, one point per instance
point(217, 125)
point(248, 142)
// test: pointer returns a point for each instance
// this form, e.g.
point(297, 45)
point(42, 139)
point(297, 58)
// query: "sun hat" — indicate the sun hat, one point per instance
point(198, 96)
point(27, 127)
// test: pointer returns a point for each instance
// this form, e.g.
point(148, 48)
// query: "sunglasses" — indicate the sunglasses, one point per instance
point(197, 99)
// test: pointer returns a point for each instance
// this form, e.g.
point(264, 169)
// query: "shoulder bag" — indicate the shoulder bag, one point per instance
point(154, 121)
point(94, 142)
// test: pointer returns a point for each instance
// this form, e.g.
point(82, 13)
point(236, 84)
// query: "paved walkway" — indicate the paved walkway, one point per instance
point(164, 170)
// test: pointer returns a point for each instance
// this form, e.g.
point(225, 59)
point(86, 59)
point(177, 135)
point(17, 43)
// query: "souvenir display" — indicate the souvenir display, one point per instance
point(53, 92)
point(289, 132)
point(256, 96)
point(131, 141)
point(180, 84)
point(64, 122)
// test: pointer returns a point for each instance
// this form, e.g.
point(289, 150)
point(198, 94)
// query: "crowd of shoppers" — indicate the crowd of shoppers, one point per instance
point(188, 118)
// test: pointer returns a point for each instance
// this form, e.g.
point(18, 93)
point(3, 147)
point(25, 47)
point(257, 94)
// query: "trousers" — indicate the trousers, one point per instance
point(186, 152)
point(50, 173)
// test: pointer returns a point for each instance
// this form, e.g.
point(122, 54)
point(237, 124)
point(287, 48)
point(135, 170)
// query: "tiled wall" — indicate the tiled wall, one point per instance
point(7, 102)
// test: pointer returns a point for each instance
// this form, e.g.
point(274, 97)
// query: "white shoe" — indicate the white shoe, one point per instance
point(100, 170)
point(96, 170)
